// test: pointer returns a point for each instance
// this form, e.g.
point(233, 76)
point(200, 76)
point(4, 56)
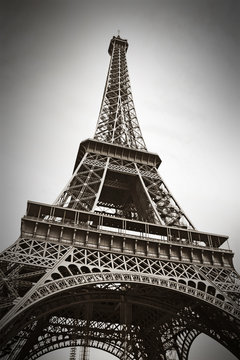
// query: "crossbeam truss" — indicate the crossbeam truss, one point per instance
point(115, 263)
point(139, 191)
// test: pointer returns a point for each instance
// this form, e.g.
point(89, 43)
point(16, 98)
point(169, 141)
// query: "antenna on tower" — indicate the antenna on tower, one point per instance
point(118, 33)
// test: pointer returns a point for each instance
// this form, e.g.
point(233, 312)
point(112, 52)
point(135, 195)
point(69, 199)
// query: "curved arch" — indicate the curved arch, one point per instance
point(66, 299)
point(211, 290)
point(181, 281)
point(187, 341)
point(64, 271)
point(57, 286)
point(201, 286)
point(85, 269)
point(55, 276)
point(220, 296)
point(74, 269)
point(110, 348)
point(192, 283)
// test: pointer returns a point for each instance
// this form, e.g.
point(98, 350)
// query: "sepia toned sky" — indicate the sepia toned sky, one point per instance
point(183, 61)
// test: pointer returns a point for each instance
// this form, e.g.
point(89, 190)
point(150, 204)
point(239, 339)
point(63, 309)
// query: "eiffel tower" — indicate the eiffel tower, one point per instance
point(115, 263)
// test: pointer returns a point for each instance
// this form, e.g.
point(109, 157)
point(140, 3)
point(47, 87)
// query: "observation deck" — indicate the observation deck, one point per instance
point(112, 234)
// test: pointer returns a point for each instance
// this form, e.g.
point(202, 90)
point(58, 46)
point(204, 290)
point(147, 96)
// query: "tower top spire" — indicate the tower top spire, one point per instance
point(117, 40)
point(117, 122)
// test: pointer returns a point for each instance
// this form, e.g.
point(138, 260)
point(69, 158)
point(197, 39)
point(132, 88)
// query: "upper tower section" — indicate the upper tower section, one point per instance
point(117, 122)
point(120, 42)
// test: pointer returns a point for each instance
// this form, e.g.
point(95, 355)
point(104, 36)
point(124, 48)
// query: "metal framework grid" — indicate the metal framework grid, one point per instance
point(115, 263)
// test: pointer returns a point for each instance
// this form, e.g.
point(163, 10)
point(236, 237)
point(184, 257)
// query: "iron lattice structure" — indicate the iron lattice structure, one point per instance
point(115, 263)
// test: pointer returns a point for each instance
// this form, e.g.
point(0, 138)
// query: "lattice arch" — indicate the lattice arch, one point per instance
point(65, 283)
point(113, 282)
point(108, 347)
point(184, 341)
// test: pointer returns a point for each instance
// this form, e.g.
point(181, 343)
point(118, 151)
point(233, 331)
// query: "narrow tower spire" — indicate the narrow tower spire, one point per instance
point(117, 122)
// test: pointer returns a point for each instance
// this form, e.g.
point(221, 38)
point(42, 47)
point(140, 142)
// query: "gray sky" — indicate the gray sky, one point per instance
point(183, 61)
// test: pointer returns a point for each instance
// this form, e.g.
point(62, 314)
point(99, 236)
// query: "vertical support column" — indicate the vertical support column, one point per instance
point(151, 203)
point(85, 353)
point(101, 185)
point(125, 320)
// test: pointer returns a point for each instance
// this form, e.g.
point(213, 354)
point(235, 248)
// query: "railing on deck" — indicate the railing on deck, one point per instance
point(83, 219)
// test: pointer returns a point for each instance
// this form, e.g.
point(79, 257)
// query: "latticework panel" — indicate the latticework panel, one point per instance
point(225, 279)
point(166, 206)
point(33, 252)
point(80, 193)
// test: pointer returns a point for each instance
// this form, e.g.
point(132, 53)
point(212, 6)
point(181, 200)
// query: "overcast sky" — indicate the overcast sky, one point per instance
point(183, 61)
